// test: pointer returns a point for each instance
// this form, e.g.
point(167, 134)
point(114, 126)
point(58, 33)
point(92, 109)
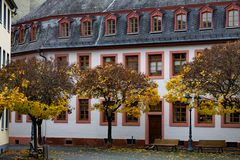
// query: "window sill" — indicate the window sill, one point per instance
point(233, 27)
point(89, 36)
point(203, 29)
point(156, 77)
point(131, 123)
point(106, 123)
point(67, 37)
point(33, 41)
point(179, 124)
point(230, 125)
point(83, 122)
point(60, 121)
point(135, 33)
point(110, 35)
point(155, 32)
point(185, 30)
point(210, 125)
point(18, 121)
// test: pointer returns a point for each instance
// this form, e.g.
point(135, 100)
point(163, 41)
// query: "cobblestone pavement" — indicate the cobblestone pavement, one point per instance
point(81, 153)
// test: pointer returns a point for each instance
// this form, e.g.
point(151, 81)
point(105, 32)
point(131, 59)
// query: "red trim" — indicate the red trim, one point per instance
point(171, 59)
point(147, 122)
point(197, 124)
point(231, 7)
point(60, 22)
point(89, 111)
point(62, 55)
point(33, 37)
point(205, 9)
point(108, 55)
point(133, 54)
point(171, 123)
point(18, 120)
point(224, 125)
point(62, 121)
point(110, 17)
point(132, 14)
point(147, 64)
point(83, 20)
point(156, 12)
point(125, 123)
point(180, 11)
point(84, 54)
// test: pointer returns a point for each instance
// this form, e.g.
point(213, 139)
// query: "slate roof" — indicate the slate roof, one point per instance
point(47, 33)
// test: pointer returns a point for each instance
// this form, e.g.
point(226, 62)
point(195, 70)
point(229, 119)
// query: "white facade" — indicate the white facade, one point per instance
point(5, 51)
point(95, 131)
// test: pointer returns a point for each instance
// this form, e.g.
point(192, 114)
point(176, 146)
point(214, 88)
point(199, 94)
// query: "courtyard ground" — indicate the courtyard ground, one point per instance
point(82, 153)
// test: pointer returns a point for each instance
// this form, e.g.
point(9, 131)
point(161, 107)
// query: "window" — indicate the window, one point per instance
point(232, 118)
point(108, 59)
point(110, 25)
point(8, 58)
point(5, 16)
point(86, 26)
point(3, 120)
point(198, 53)
point(9, 25)
point(155, 64)
point(232, 12)
point(83, 111)
point(18, 117)
point(132, 62)
point(203, 120)
point(7, 119)
point(61, 58)
point(156, 108)
point(156, 21)
point(133, 23)
point(84, 62)
point(178, 59)
point(33, 34)
point(62, 118)
point(0, 11)
point(64, 28)
point(12, 37)
point(103, 117)
point(21, 34)
point(206, 20)
point(129, 119)
point(4, 57)
point(180, 20)
point(178, 115)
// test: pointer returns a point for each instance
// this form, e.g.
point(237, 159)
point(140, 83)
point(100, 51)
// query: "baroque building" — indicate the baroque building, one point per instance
point(154, 37)
point(6, 9)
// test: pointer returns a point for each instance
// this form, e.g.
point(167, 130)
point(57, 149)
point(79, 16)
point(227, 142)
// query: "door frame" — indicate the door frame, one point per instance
point(147, 122)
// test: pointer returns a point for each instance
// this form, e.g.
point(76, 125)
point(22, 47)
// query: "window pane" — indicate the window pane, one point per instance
point(179, 113)
point(132, 62)
point(178, 61)
point(83, 109)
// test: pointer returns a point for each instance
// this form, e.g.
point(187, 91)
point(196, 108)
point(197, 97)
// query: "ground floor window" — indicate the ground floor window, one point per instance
point(232, 118)
point(179, 113)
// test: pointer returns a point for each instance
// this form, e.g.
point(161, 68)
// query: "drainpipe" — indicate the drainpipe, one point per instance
point(41, 54)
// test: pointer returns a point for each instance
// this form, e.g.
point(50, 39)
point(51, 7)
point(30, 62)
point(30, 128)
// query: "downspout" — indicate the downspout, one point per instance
point(41, 54)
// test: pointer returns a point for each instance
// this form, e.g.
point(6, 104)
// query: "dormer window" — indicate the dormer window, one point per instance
point(233, 18)
point(133, 23)
point(110, 25)
point(156, 21)
point(86, 26)
point(181, 20)
point(21, 35)
point(33, 32)
point(64, 28)
point(206, 18)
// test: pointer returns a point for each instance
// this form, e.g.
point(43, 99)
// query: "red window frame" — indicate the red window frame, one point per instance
point(125, 55)
point(203, 124)
point(177, 124)
point(232, 7)
point(61, 57)
point(111, 17)
point(148, 54)
point(58, 120)
point(84, 55)
point(229, 125)
point(78, 120)
point(156, 13)
point(33, 32)
point(103, 56)
point(206, 9)
point(172, 63)
point(18, 117)
point(132, 15)
point(21, 34)
point(84, 20)
point(181, 11)
point(64, 20)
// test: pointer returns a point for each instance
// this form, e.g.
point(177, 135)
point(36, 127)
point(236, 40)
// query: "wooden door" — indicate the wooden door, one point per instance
point(155, 127)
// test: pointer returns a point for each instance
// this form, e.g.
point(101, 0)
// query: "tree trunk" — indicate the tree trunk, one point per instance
point(109, 119)
point(34, 122)
point(39, 125)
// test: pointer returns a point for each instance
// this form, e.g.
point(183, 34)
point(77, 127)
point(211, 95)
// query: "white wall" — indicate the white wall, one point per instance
point(94, 130)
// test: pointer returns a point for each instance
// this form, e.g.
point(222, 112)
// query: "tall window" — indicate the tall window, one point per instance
point(206, 20)
point(4, 57)
point(232, 118)
point(21, 35)
point(105, 117)
point(156, 21)
point(0, 11)
point(84, 62)
point(179, 113)
point(5, 16)
point(111, 26)
point(155, 64)
point(64, 27)
point(33, 34)
point(83, 111)
point(233, 18)
point(9, 25)
point(133, 25)
point(132, 62)
point(181, 22)
point(87, 29)
point(64, 30)
point(178, 61)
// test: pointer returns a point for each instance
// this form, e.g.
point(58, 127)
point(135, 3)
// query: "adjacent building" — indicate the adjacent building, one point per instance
point(154, 37)
point(6, 9)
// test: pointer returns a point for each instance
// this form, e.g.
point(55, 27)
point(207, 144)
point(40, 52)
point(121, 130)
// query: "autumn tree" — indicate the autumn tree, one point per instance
point(213, 77)
point(46, 86)
point(121, 89)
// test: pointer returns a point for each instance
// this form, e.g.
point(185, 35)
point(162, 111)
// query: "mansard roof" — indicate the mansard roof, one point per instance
point(67, 7)
point(47, 36)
